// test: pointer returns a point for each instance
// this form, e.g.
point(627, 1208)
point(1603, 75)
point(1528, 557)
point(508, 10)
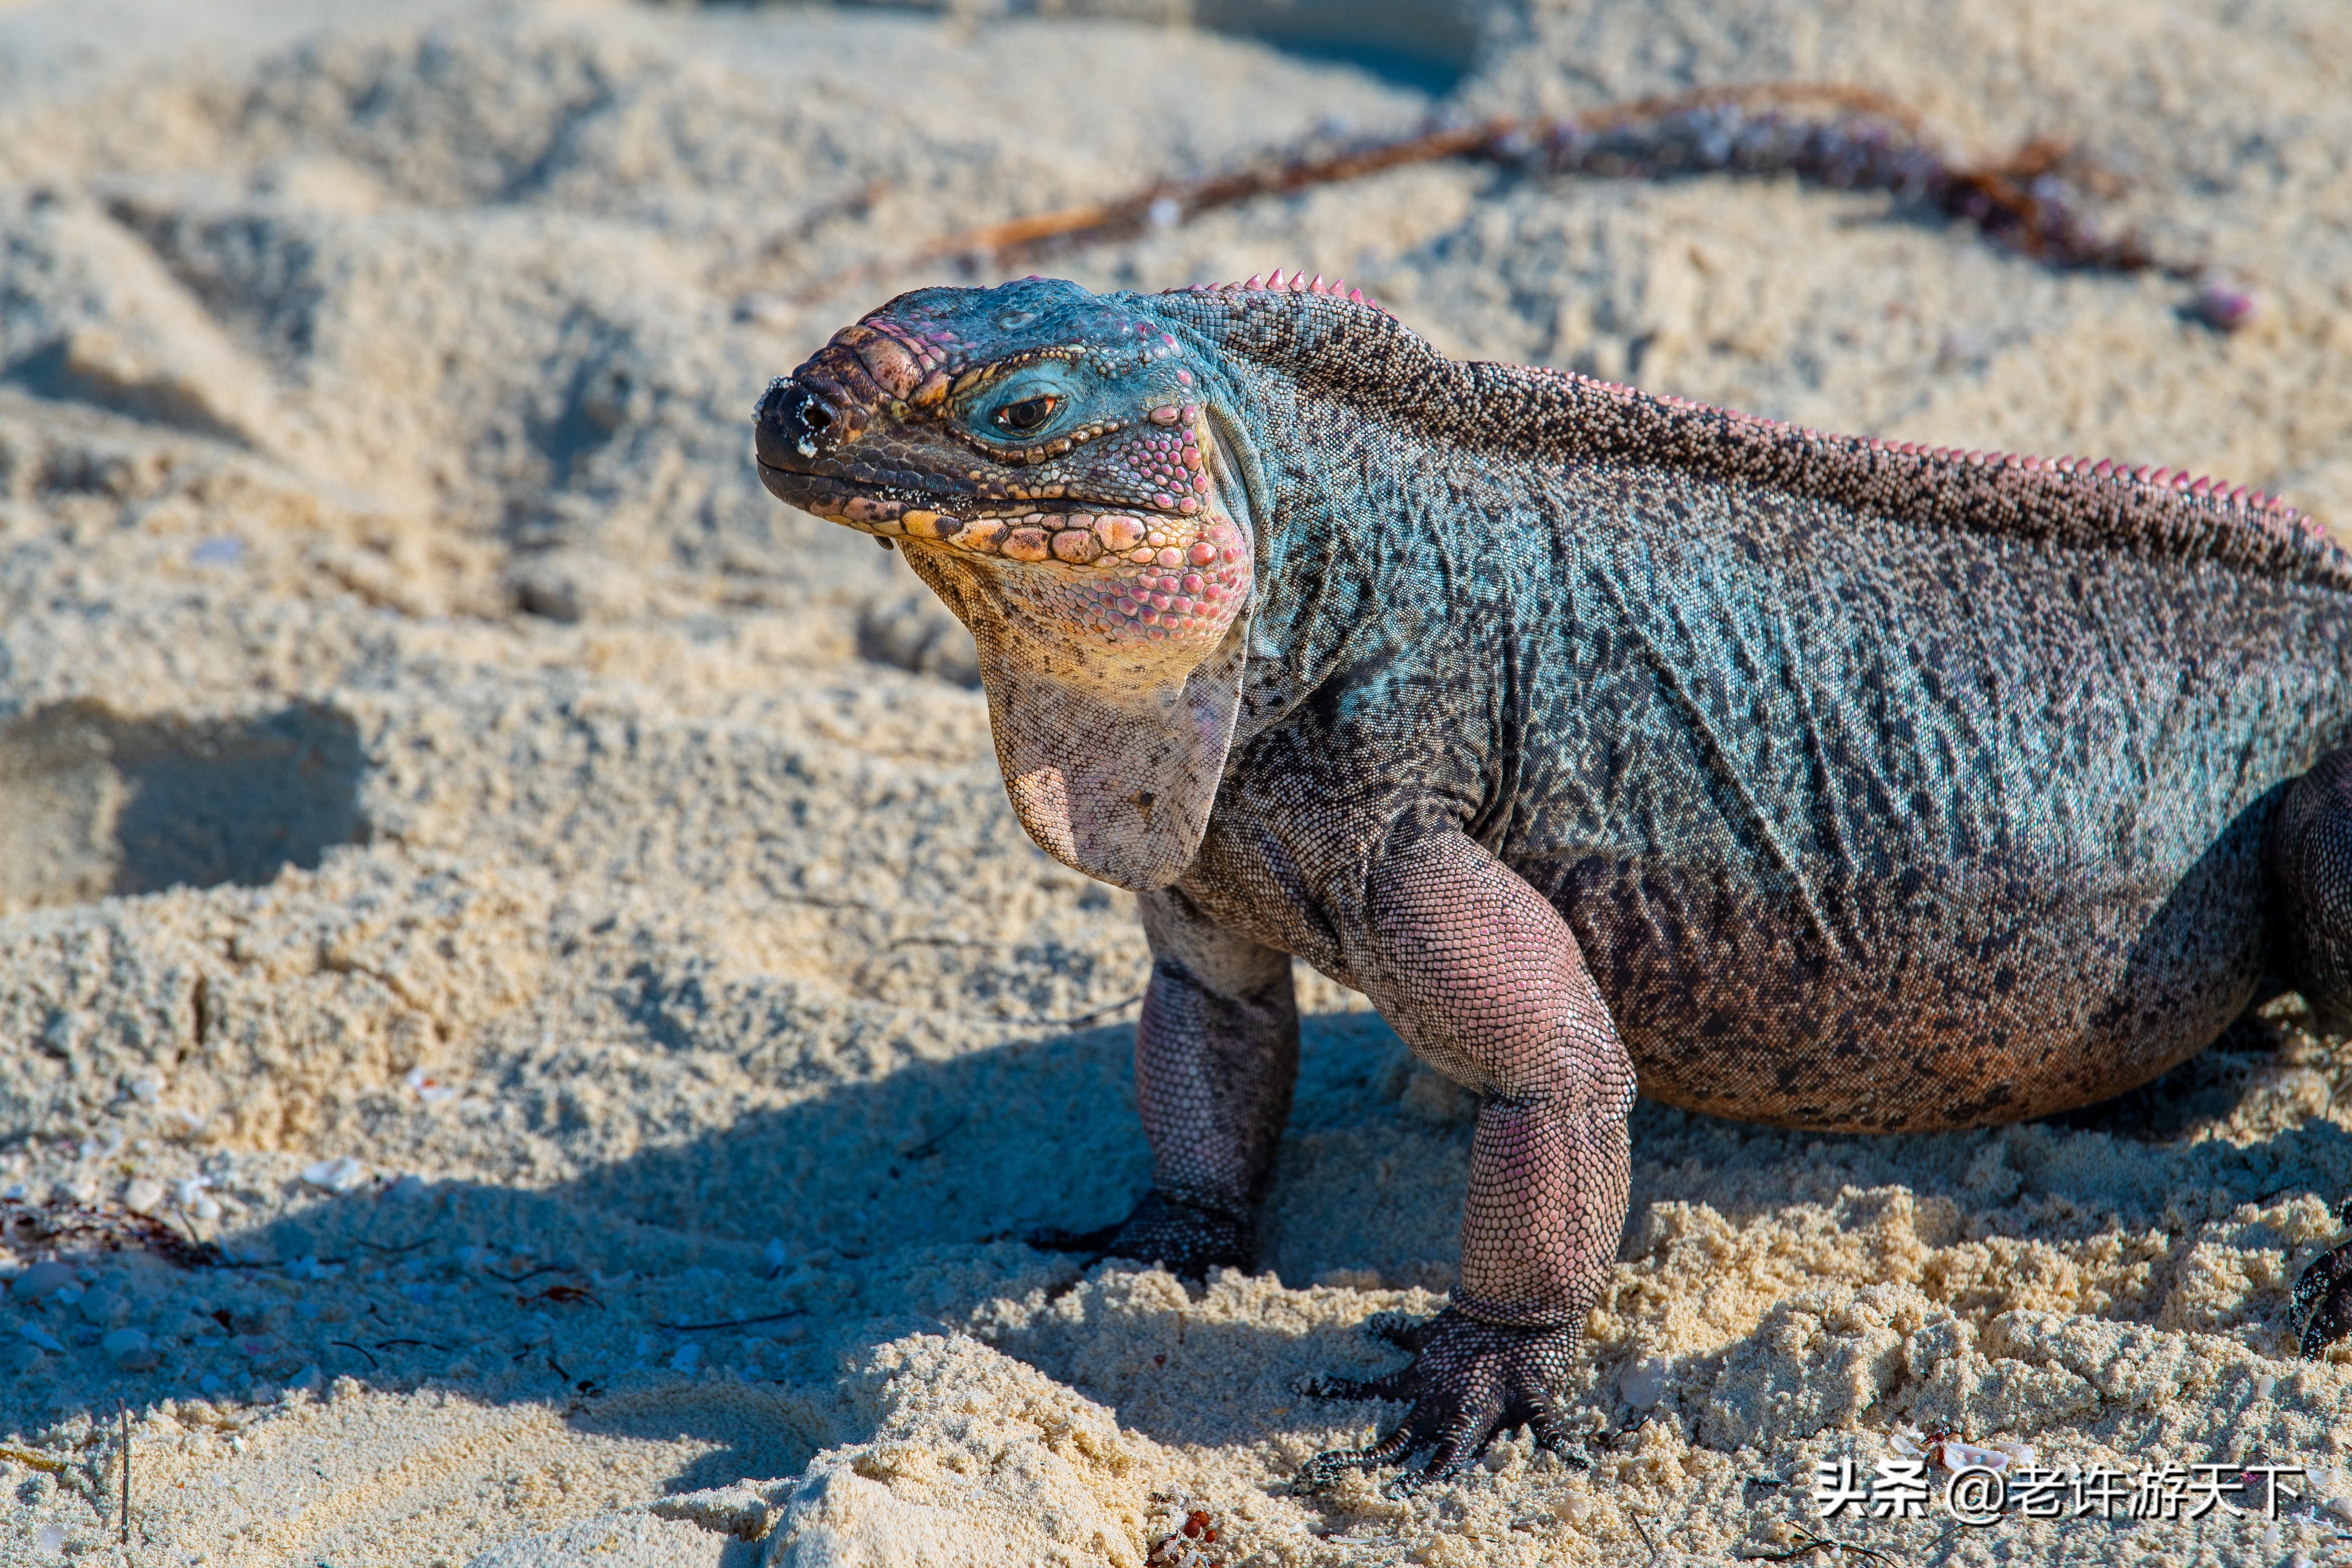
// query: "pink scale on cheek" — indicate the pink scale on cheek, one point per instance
point(1191, 584)
point(1202, 553)
point(1170, 557)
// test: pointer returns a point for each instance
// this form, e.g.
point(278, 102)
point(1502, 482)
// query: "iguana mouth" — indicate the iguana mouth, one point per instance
point(1076, 536)
point(830, 496)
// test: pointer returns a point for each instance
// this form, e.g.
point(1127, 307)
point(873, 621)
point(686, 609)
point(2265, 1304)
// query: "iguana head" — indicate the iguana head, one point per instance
point(1048, 461)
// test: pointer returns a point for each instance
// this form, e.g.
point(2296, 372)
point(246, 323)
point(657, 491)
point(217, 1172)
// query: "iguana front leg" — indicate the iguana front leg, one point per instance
point(1483, 978)
point(1217, 1057)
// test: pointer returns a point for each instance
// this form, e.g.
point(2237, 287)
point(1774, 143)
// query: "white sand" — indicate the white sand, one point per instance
point(375, 493)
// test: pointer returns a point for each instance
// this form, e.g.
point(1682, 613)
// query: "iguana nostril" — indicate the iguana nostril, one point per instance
point(793, 423)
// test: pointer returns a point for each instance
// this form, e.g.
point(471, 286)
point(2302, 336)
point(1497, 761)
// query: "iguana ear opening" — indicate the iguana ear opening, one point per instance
point(1112, 746)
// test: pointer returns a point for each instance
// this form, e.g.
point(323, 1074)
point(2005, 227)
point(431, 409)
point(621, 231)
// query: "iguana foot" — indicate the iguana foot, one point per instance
point(1185, 1240)
point(1468, 1380)
point(2323, 1296)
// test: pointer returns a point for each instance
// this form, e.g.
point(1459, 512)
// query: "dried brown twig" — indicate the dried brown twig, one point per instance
point(1845, 138)
point(122, 1410)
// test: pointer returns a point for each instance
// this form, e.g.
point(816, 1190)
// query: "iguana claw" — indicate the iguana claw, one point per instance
point(1468, 1380)
point(1185, 1240)
point(2323, 1296)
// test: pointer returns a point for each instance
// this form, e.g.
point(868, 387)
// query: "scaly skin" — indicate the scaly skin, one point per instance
point(1596, 737)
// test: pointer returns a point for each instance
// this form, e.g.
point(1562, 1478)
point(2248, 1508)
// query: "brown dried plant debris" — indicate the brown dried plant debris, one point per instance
point(1840, 137)
point(63, 1225)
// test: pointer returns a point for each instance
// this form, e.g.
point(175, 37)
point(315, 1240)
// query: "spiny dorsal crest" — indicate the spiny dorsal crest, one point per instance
point(1530, 413)
point(1298, 284)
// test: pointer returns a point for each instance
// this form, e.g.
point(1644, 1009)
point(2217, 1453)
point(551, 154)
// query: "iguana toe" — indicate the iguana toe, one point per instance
point(2323, 1299)
point(1402, 1329)
point(1185, 1240)
point(1468, 1380)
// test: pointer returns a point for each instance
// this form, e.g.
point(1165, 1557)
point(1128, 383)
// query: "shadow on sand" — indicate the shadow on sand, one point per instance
point(941, 1166)
point(98, 804)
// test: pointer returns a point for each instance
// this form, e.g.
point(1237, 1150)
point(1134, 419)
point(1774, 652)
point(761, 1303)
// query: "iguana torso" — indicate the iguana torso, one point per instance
point(1881, 788)
point(1596, 737)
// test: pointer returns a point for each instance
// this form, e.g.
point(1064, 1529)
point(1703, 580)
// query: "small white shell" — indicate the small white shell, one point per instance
point(339, 1174)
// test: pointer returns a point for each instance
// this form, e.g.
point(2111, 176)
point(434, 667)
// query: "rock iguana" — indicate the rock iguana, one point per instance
point(1602, 739)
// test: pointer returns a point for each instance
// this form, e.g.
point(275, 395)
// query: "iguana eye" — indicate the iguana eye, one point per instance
point(1029, 413)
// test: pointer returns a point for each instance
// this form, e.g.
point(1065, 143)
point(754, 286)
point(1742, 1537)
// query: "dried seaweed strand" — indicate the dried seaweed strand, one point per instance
point(1841, 137)
point(26, 1456)
point(61, 1225)
point(1814, 1544)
